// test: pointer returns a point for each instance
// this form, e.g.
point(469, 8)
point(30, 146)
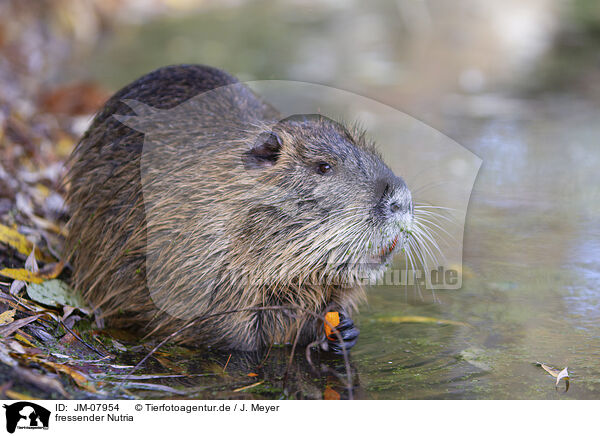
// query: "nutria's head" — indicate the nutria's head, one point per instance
point(325, 201)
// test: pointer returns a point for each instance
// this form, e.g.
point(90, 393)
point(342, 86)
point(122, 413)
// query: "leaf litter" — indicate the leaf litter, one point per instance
point(50, 344)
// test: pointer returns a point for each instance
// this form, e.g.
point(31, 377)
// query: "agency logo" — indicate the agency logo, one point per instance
point(26, 415)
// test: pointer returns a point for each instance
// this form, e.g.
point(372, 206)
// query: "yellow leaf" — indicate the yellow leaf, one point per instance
point(19, 396)
point(21, 274)
point(19, 337)
point(564, 374)
point(420, 319)
point(48, 225)
point(553, 372)
point(20, 243)
point(249, 386)
point(80, 379)
point(7, 317)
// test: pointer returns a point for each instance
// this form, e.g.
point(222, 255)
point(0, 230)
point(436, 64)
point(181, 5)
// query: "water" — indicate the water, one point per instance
point(531, 284)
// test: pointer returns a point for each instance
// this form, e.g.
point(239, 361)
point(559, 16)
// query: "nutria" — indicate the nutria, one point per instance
point(248, 209)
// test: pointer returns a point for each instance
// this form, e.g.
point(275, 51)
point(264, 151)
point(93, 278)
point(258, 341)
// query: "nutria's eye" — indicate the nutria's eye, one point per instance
point(324, 168)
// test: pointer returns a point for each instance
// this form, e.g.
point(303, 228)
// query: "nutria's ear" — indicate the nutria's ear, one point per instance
point(265, 151)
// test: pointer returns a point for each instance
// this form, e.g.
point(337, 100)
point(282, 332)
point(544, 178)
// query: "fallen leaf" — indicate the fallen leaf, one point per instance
point(9, 329)
point(19, 337)
point(53, 272)
point(43, 382)
point(7, 317)
point(56, 293)
point(563, 374)
point(16, 347)
point(420, 319)
point(16, 286)
point(560, 375)
point(553, 372)
point(30, 262)
point(19, 396)
point(252, 374)
point(119, 346)
point(78, 377)
point(48, 225)
point(20, 243)
point(243, 388)
point(21, 274)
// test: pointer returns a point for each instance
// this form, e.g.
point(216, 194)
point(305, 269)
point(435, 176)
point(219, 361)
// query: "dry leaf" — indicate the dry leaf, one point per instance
point(563, 374)
point(7, 317)
point(56, 293)
point(53, 272)
point(420, 319)
point(19, 337)
point(560, 375)
point(21, 274)
point(9, 329)
point(20, 243)
point(19, 396)
point(79, 378)
point(16, 286)
point(553, 372)
point(249, 386)
point(30, 262)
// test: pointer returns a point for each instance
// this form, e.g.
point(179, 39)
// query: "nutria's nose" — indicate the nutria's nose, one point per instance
point(392, 195)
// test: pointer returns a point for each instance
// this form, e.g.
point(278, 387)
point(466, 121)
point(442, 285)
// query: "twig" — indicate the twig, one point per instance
point(226, 363)
point(289, 365)
point(91, 347)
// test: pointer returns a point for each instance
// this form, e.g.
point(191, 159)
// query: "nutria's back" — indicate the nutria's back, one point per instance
point(222, 205)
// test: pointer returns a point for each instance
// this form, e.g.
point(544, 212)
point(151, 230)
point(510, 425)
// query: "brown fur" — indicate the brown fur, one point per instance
point(209, 223)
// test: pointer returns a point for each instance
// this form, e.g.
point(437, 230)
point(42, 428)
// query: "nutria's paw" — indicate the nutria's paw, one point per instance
point(348, 332)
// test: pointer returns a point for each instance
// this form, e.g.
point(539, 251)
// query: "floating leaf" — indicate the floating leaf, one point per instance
point(56, 293)
point(243, 388)
point(553, 372)
point(563, 374)
point(478, 357)
point(419, 319)
point(560, 375)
